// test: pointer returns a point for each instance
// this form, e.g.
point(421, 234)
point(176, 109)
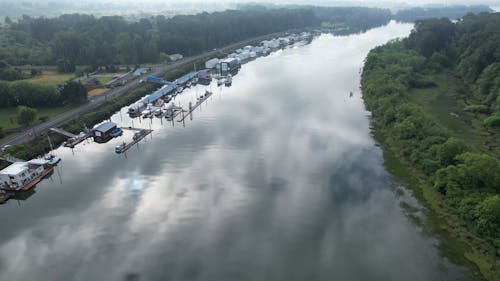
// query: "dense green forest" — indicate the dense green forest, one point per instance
point(78, 39)
point(435, 99)
point(84, 39)
point(451, 12)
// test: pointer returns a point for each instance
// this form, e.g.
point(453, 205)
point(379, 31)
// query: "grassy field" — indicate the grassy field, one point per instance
point(445, 105)
point(50, 78)
point(8, 116)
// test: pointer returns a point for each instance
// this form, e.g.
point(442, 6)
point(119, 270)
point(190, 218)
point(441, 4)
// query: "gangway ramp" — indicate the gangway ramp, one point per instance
point(63, 132)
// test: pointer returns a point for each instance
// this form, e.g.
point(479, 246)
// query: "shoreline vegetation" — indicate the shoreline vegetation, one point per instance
point(435, 103)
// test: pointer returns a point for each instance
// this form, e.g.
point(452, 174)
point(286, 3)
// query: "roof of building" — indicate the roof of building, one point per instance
point(186, 78)
point(158, 94)
point(104, 127)
point(15, 168)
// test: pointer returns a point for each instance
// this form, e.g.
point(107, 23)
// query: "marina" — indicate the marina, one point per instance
point(22, 176)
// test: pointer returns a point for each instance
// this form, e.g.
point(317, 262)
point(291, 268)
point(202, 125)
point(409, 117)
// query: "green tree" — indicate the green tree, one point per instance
point(488, 217)
point(25, 115)
point(74, 92)
point(447, 152)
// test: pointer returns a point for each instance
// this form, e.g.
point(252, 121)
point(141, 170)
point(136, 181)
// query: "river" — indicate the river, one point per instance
point(275, 178)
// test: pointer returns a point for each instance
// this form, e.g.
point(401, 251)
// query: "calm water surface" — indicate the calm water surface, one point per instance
point(274, 178)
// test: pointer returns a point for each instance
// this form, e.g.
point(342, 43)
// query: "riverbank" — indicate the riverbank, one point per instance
point(442, 153)
point(456, 243)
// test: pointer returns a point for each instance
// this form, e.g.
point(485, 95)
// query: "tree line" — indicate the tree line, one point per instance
point(13, 94)
point(454, 12)
point(87, 40)
point(467, 177)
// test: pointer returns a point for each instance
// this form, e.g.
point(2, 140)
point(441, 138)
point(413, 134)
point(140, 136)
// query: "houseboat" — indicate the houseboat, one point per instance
point(22, 176)
point(102, 132)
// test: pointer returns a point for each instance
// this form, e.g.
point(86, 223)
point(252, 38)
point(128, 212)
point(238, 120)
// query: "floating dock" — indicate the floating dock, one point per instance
point(126, 146)
point(73, 139)
point(198, 103)
point(175, 113)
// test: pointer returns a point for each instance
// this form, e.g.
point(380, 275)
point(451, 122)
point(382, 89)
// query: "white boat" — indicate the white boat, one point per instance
point(158, 112)
point(159, 103)
point(120, 148)
point(228, 81)
point(52, 160)
point(148, 111)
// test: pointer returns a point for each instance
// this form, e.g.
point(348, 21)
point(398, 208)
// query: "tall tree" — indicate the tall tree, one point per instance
point(25, 115)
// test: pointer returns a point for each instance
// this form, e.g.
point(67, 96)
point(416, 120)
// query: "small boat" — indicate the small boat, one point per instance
point(159, 103)
point(116, 132)
point(52, 160)
point(228, 81)
point(139, 134)
point(168, 98)
point(146, 113)
point(158, 112)
point(351, 94)
point(120, 148)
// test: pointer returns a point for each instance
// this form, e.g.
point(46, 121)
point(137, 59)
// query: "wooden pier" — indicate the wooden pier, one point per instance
point(126, 146)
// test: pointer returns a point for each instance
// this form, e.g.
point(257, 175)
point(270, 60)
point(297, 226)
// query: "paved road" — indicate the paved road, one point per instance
point(96, 101)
